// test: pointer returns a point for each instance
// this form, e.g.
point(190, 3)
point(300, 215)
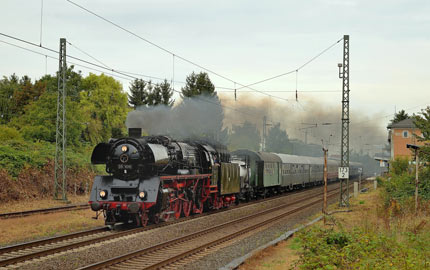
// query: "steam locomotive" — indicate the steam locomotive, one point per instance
point(155, 178)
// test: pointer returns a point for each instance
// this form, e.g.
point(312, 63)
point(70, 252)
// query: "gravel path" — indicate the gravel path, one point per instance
point(102, 251)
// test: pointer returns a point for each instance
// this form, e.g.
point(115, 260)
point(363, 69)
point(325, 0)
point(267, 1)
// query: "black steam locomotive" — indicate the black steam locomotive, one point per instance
point(155, 178)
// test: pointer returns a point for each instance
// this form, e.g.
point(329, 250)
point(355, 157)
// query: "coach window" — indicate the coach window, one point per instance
point(405, 133)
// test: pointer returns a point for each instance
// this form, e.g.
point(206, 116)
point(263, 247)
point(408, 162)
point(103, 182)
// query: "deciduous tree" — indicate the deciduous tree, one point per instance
point(105, 106)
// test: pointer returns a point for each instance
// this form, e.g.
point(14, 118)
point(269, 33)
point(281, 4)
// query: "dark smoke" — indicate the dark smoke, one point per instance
point(200, 117)
point(203, 117)
point(367, 133)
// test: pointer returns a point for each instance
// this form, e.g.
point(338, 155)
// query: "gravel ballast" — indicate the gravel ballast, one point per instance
point(105, 250)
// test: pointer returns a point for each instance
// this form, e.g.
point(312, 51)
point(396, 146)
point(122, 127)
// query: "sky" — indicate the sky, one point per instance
point(245, 41)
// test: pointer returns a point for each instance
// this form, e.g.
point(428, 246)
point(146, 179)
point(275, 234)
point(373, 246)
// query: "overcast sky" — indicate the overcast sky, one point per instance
point(246, 41)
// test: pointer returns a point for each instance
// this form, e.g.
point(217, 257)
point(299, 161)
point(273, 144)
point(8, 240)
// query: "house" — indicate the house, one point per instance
point(400, 134)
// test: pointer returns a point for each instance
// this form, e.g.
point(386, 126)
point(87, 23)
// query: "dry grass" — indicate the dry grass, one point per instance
point(29, 204)
point(45, 225)
point(365, 211)
point(278, 257)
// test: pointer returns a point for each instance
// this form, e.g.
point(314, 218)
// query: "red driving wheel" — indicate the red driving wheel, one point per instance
point(186, 207)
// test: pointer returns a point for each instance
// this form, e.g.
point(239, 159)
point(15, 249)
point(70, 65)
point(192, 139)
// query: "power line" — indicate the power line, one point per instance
point(126, 73)
point(168, 51)
point(73, 57)
point(297, 69)
point(87, 54)
point(113, 70)
point(288, 91)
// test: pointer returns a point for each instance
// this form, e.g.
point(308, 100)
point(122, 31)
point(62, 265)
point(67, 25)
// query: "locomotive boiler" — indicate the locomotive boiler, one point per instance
point(153, 178)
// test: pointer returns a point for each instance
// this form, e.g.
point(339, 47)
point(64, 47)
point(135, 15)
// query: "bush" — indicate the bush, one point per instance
point(399, 166)
point(357, 249)
point(9, 133)
point(15, 155)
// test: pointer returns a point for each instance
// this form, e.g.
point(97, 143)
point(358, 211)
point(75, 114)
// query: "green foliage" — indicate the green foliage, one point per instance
point(399, 188)
point(163, 94)
point(399, 116)
point(399, 165)
point(15, 155)
point(277, 140)
point(39, 120)
point(198, 84)
point(7, 104)
point(104, 107)
point(358, 249)
point(245, 136)
point(145, 93)
point(422, 121)
point(9, 133)
point(138, 93)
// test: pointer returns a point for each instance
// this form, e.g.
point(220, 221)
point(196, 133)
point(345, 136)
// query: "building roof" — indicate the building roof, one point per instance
point(407, 123)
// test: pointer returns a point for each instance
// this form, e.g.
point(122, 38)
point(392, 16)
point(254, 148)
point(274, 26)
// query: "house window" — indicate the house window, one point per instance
point(405, 133)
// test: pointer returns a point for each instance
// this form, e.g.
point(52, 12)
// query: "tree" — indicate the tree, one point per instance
point(162, 94)
point(7, 104)
point(245, 136)
point(145, 93)
point(138, 93)
point(277, 140)
point(105, 107)
point(198, 84)
point(401, 115)
point(26, 93)
point(38, 122)
point(73, 83)
point(422, 121)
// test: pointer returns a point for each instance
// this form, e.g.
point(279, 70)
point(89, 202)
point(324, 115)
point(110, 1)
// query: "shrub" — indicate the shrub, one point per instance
point(358, 249)
point(399, 166)
point(9, 133)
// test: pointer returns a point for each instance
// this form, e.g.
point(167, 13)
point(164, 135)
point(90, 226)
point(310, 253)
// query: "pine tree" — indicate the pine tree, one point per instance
point(164, 93)
point(401, 115)
point(138, 94)
point(198, 84)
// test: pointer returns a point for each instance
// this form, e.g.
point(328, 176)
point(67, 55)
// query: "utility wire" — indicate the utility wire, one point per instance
point(129, 77)
point(168, 51)
point(87, 54)
point(297, 69)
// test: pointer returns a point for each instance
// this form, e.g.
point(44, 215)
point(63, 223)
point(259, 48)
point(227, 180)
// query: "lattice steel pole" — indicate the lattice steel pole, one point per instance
point(344, 152)
point(60, 184)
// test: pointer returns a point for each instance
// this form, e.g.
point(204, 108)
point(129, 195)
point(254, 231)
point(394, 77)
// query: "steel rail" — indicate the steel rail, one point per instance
point(54, 250)
point(205, 232)
point(44, 211)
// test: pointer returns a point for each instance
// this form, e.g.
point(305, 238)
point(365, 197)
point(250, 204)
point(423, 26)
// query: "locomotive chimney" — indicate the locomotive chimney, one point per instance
point(135, 132)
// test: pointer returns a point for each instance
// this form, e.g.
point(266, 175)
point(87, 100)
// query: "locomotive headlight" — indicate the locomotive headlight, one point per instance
point(103, 194)
point(124, 148)
point(142, 194)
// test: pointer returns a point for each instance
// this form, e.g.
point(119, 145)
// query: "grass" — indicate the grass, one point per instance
point(368, 237)
point(16, 206)
point(275, 258)
point(28, 228)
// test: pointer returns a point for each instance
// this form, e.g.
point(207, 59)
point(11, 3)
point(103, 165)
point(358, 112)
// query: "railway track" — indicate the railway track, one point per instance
point(173, 251)
point(44, 211)
point(35, 249)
